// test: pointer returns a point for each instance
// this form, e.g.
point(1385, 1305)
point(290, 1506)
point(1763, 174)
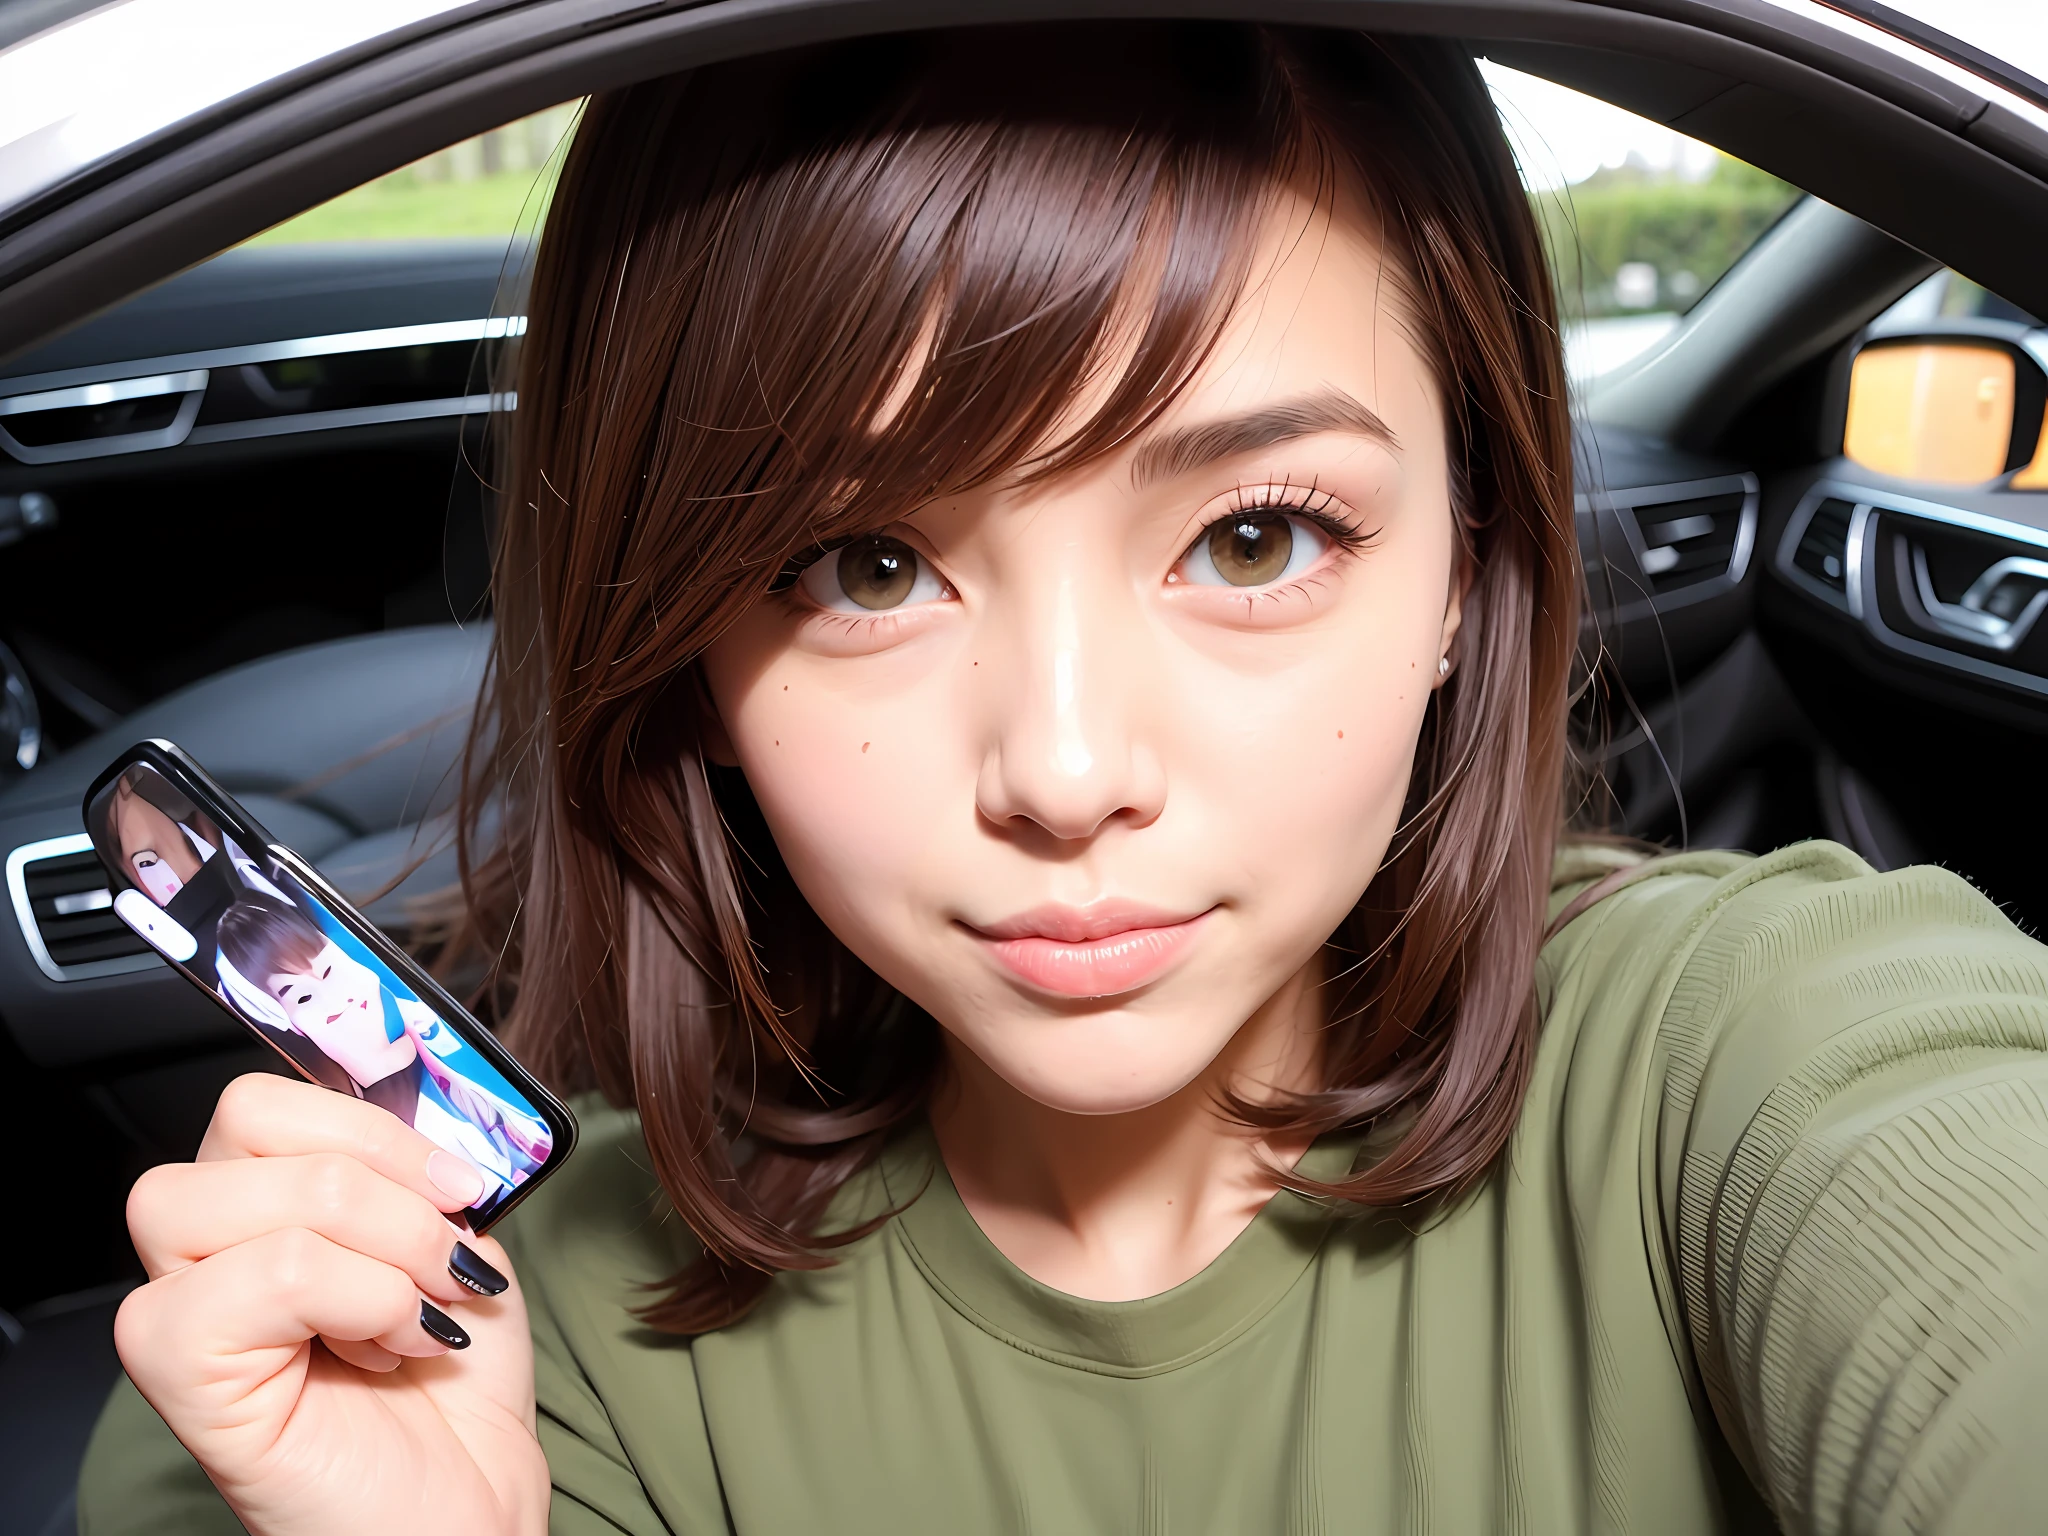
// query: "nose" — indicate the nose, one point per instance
point(1069, 752)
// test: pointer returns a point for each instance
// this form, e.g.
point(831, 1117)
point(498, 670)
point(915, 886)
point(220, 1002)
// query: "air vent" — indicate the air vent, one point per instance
point(1823, 551)
point(66, 912)
point(1688, 542)
point(345, 381)
point(88, 421)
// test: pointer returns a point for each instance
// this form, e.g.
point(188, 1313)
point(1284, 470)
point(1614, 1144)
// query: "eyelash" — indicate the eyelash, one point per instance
point(794, 567)
point(1305, 502)
point(1309, 503)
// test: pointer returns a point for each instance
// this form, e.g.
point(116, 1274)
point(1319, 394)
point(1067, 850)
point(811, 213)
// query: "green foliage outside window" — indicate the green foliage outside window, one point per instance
point(1625, 240)
point(1686, 232)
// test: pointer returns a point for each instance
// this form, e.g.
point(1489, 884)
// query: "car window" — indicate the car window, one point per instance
point(1640, 221)
point(494, 184)
point(1948, 295)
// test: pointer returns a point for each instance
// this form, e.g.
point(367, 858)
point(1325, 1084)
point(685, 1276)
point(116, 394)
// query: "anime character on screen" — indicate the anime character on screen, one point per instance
point(191, 869)
point(167, 846)
point(279, 967)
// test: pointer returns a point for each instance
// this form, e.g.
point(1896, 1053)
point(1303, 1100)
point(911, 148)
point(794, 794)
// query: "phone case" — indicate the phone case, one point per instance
point(257, 928)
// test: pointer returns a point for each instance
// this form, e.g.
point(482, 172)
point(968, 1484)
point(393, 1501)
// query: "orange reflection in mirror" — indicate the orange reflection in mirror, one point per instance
point(2035, 476)
point(1931, 411)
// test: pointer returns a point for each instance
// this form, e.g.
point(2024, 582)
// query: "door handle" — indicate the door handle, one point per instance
point(1999, 607)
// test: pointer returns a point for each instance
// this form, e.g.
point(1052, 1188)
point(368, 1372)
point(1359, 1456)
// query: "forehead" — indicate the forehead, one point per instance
point(295, 962)
point(1323, 309)
point(132, 808)
point(1323, 306)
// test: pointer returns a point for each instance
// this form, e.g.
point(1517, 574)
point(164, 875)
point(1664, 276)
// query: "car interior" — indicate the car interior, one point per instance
point(1815, 613)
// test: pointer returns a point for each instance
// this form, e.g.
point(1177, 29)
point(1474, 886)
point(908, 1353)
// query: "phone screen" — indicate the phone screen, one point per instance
point(210, 897)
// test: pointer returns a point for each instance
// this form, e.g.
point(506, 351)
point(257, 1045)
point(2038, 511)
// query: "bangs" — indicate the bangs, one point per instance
point(992, 229)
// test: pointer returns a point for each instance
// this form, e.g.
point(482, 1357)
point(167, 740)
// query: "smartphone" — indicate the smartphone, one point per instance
point(255, 927)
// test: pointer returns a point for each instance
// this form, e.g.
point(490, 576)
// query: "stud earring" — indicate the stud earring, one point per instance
point(1443, 666)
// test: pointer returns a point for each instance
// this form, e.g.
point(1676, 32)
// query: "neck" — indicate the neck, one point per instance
point(1119, 1207)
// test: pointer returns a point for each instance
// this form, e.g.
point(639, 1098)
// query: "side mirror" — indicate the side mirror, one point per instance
point(1948, 410)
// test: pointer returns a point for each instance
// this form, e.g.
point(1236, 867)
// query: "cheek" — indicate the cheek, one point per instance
point(1301, 784)
point(1310, 758)
point(851, 771)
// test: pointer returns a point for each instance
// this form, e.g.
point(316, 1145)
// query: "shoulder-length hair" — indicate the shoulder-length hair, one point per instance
point(739, 270)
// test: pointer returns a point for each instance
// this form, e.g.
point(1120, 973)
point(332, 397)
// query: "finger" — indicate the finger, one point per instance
point(265, 1297)
point(180, 1213)
point(263, 1115)
point(362, 1354)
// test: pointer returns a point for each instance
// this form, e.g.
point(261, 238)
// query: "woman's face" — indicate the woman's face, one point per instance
point(159, 856)
point(1091, 770)
point(334, 1002)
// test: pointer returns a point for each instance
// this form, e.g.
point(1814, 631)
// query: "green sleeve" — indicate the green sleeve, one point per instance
point(1851, 1160)
point(137, 1478)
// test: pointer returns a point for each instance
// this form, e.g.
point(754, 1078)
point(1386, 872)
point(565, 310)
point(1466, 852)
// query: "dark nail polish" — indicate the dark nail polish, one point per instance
point(468, 1266)
point(441, 1326)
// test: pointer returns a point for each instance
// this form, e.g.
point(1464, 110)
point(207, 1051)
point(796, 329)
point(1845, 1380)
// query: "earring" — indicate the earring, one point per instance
point(1443, 666)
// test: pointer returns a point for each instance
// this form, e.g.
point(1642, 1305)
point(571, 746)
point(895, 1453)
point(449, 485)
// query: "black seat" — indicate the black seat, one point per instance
point(58, 1366)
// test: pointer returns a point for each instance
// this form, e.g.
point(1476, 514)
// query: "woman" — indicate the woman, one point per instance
point(1035, 612)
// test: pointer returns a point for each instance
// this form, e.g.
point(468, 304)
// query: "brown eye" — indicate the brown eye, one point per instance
point(1250, 549)
point(878, 571)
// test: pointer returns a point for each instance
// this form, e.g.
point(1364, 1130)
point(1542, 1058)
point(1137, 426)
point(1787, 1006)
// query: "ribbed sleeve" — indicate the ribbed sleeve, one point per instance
point(1852, 1149)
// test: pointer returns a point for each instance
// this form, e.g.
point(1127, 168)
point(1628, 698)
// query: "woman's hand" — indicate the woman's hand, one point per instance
point(281, 1336)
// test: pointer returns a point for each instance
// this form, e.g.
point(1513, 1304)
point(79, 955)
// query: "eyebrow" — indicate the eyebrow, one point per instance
point(1185, 449)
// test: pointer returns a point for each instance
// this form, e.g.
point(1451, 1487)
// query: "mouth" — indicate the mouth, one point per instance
point(1101, 950)
point(333, 1016)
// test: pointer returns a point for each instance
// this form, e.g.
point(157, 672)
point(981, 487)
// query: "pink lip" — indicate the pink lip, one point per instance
point(1100, 950)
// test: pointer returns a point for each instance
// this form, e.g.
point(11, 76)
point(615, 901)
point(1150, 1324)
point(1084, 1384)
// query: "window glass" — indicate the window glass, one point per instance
point(1948, 295)
point(1640, 221)
point(494, 184)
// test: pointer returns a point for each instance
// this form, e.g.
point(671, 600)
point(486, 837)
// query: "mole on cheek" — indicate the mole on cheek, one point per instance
point(865, 745)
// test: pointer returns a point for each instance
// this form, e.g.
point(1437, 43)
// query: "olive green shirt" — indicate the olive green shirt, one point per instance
point(1777, 1205)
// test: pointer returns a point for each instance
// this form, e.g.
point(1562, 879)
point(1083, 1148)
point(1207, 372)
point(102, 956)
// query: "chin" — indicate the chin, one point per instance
point(1097, 1076)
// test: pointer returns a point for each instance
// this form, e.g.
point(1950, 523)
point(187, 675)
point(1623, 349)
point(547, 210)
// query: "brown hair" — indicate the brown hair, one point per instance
point(144, 783)
point(262, 936)
point(740, 267)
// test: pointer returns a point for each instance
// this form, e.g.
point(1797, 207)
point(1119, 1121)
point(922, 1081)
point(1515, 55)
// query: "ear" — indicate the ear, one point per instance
point(1463, 572)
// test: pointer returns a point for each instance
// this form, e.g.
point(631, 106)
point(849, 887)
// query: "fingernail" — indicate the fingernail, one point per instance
point(455, 1178)
point(468, 1266)
point(441, 1326)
